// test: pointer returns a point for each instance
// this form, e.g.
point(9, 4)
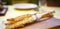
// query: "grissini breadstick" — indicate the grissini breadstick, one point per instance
point(19, 17)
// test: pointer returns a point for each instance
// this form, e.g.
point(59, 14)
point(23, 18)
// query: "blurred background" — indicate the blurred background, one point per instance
point(49, 2)
point(9, 2)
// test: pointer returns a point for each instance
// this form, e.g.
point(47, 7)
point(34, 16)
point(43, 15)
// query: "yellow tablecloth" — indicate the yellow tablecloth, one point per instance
point(13, 13)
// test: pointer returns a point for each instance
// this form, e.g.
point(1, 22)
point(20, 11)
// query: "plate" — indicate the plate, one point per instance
point(25, 5)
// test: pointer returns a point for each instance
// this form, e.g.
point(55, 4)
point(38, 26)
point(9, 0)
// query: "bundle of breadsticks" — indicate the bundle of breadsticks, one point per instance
point(23, 20)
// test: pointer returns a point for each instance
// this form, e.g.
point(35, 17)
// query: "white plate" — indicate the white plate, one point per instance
point(25, 5)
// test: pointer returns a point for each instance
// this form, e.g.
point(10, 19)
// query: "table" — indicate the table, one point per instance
point(54, 21)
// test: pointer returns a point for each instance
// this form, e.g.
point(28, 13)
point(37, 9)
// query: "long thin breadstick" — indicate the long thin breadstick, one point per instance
point(19, 17)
